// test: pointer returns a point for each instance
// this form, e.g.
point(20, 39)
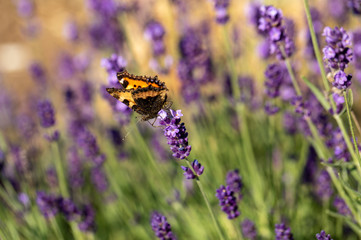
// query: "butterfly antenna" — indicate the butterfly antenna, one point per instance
point(131, 129)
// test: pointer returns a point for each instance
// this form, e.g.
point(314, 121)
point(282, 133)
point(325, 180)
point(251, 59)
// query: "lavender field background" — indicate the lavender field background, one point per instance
point(260, 137)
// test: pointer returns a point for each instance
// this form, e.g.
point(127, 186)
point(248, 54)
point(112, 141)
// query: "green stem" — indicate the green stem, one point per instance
point(315, 45)
point(207, 203)
point(291, 73)
point(348, 143)
point(60, 170)
point(357, 163)
point(355, 121)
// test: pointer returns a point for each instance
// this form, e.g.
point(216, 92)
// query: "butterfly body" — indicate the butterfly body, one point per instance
point(144, 95)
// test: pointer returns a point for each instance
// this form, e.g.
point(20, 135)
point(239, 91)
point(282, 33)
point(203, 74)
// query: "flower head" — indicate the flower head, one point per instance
point(248, 229)
point(175, 133)
point(323, 236)
point(46, 113)
point(228, 201)
point(342, 81)
point(283, 232)
point(161, 227)
point(337, 52)
point(197, 168)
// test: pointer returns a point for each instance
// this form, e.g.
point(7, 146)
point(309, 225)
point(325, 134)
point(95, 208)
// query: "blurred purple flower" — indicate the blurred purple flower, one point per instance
point(115, 63)
point(47, 204)
point(68, 208)
point(52, 177)
point(46, 113)
point(26, 125)
point(341, 206)
point(248, 229)
point(87, 222)
point(221, 8)
point(323, 236)
point(338, 10)
point(274, 77)
point(24, 199)
point(271, 109)
point(154, 32)
point(25, 8)
point(66, 66)
point(228, 201)
point(355, 6)
point(71, 31)
point(99, 179)
point(234, 181)
point(283, 232)
point(75, 168)
point(38, 74)
point(161, 227)
point(323, 186)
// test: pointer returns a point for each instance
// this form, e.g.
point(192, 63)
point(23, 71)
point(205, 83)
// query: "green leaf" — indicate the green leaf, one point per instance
point(320, 97)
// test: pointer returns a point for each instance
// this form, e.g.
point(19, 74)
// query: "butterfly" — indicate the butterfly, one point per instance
point(144, 95)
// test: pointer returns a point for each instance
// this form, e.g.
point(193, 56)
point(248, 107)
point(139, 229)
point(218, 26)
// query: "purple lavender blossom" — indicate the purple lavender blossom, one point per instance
point(68, 208)
point(338, 144)
point(356, 38)
point(338, 10)
point(283, 232)
point(99, 179)
point(274, 77)
point(87, 216)
point(175, 132)
point(271, 109)
point(71, 31)
point(38, 73)
point(339, 101)
point(228, 201)
point(355, 6)
point(271, 25)
point(46, 113)
point(87, 141)
point(323, 186)
point(154, 32)
point(234, 181)
point(341, 206)
point(51, 177)
point(289, 123)
point(26, 125)
point(24, 199)
point(66, 66)
point(75, 169)
point(25, 8)
point(248, 229)
point(323, 236)
point(195, 67)
point(342, 81)
point(47, 204)
point(161, 227)
point(113, 64)
point(197, 168)
point(221, 8)
point(337, 53)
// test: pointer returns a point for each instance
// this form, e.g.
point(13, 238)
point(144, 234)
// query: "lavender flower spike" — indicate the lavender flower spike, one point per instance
point(283, 232)
point(197, 167)
point(323, 236)
point(248, 229)
point(175, 132)
point(161, 227)
point(228, 201)
point(46, 113)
